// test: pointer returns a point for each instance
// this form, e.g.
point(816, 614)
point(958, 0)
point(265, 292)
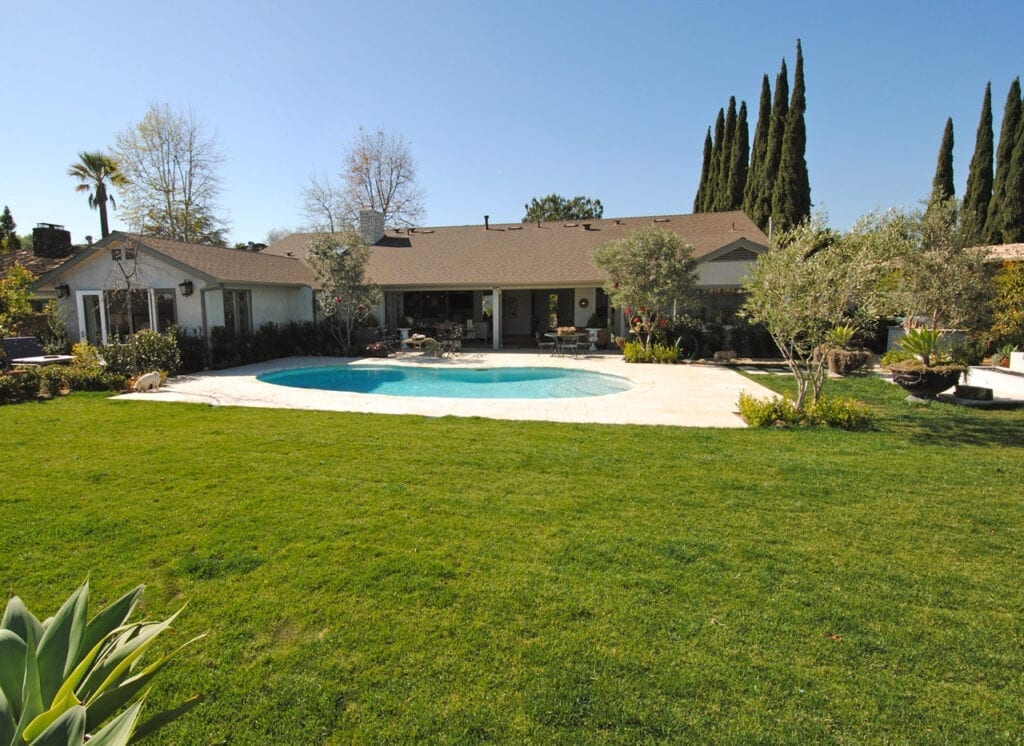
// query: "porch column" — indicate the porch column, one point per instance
point(496, 318)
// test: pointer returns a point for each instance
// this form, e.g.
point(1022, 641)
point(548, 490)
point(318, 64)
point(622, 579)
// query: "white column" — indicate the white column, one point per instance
point(496, 316)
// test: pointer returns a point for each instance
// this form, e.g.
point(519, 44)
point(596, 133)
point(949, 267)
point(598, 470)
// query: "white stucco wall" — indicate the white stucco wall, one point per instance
point(723, 274)
point(279, 304)
point(582, 315)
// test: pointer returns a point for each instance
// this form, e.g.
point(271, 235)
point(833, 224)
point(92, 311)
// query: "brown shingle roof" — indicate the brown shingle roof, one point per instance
point(524, 254)
point(227, 265)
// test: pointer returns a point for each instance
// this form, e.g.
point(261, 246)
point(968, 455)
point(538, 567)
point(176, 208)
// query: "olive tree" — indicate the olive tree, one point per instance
point(810, 282)
point(344, 297)
point(649, 272)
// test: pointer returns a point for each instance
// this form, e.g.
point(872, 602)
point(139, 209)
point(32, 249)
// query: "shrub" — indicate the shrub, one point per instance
point(635, 352)
point(155, 351)
point(192, 348)
point(665, 353)
point(19, 385)
point(842, 361)
point(777, 410)
point(780, 411)
point(846, 414)
point(81, 378)
point(85, 355)
point(66, 678)
point(53, 380)
point(894, 356)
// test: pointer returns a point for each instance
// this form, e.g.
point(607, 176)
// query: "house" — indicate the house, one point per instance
point(504, 282)
point(128, 282)
point(507, 281)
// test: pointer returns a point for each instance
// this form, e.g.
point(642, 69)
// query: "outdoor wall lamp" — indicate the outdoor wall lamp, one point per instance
point(186, 287)
point(63, 291)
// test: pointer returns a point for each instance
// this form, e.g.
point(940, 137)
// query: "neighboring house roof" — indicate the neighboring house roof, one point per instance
point(214, 263)
point(37, 265)
point(528, 255)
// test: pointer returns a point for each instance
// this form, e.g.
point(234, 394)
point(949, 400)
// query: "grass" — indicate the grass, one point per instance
point(375, 578)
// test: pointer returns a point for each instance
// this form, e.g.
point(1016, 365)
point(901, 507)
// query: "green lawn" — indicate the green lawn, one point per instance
point(373, 578)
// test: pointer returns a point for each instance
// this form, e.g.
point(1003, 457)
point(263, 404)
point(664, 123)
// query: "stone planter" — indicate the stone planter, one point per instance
point(926, 383)
point(841, 362)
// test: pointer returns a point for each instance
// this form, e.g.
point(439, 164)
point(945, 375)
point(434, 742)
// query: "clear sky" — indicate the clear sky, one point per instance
point(499, 101)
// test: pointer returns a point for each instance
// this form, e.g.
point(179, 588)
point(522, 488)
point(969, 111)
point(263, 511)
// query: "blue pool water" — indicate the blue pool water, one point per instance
point(458, 383)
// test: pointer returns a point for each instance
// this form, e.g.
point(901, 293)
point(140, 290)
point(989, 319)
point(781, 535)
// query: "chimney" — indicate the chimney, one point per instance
point(487, 222)
point(371, 226)
point(51, 241)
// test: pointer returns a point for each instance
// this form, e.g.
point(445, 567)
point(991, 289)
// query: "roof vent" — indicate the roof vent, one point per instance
point(661, 220)
point(571, 225)
point(586, 226)
point(618, 222)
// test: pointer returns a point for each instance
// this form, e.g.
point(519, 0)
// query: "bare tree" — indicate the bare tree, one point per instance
point(380, 174)
point(173, 181)
point(276, 234)
point(323, 204)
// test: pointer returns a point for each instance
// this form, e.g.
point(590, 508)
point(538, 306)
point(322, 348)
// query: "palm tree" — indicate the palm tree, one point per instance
point(96, 171)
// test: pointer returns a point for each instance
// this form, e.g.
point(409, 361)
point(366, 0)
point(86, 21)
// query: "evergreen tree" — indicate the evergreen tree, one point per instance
point(942, 184)
point(791, 198)
point(1011, 211)
point(1004, 156)
point(711, 193)
point(751, 191)
point(762, 208)
point(979, 182)
point(740, 156)
point(9, 240)
point(698, 201)
point(722, 184)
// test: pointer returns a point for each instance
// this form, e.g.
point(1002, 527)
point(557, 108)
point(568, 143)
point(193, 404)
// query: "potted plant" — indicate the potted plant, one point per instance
point(926, 370)
point(1001, 357)
point(839, 352)
point(596, 322)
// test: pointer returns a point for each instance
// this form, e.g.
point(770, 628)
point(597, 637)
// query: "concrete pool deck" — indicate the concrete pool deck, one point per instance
point(674, 395)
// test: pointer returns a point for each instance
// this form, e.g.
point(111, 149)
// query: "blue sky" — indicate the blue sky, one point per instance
point(499, 101)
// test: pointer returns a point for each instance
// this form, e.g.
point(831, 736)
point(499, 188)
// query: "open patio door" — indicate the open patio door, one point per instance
point(92, 317)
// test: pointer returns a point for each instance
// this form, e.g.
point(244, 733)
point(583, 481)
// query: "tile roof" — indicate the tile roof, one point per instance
point(227, 265)
point(37, 265)
point(524, 254)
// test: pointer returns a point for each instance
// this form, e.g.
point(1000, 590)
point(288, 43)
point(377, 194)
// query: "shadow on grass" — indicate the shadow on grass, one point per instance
point(930, 423)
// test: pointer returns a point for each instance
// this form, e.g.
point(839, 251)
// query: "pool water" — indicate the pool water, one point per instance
point(457, 383)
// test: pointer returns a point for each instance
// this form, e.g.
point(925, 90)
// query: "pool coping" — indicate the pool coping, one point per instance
point(687, 395)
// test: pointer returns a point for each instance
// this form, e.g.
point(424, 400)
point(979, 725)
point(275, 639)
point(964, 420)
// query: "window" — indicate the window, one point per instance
point(237, 311)
point(127, 312)
point(163, 305)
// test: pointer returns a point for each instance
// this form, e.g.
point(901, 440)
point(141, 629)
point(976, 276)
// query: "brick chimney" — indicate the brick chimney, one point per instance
point(371, 226)
point(51, 241)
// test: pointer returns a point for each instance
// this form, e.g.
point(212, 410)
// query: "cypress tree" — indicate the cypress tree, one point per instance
point(711, 193)
point(1004, 156)
point(1011, 211)
point(942, 184)
point(979, 181)
point(751, 191)
point(702, 187)
point(740, 156)
point(791, 198)
point(762, 209)
point(9, 240)
point(722, 185)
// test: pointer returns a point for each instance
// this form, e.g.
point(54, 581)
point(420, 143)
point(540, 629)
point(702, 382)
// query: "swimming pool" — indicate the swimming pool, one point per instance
point(456, 383)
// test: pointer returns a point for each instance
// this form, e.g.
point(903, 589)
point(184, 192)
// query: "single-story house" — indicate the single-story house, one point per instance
point(128, 282)
point(506, 282)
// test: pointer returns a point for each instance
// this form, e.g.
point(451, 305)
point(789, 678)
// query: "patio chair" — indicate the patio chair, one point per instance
point(566, 344)
point(545, 343)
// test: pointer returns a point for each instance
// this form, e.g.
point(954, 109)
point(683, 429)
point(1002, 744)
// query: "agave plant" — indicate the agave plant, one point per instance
point(923, 344)
point(61, 679)
point(841, 336)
